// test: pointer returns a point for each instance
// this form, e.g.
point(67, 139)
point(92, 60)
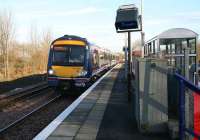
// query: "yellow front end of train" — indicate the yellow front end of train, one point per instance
point(67, 63)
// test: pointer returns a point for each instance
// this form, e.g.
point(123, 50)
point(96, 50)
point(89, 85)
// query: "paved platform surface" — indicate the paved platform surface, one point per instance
point(104, 114)
point(118, 122)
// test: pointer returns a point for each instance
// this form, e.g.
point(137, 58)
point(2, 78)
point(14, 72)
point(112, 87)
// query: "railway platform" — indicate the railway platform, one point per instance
point(102, 113)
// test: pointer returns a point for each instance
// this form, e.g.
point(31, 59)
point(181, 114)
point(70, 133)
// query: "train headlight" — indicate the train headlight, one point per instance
point(83, 73)
point(51, 72)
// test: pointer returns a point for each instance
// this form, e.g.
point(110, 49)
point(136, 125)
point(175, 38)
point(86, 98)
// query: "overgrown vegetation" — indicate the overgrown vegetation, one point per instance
point(21, 59)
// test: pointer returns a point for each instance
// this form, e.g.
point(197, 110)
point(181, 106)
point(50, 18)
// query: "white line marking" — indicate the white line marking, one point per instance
point(58, 120)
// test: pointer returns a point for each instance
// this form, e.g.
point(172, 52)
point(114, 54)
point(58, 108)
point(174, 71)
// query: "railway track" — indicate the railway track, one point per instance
point(18, 121)
point(29, 125)
point(20, 95)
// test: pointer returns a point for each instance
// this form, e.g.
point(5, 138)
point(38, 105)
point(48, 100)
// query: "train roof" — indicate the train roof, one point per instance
point(71, 37)
point(74, 37)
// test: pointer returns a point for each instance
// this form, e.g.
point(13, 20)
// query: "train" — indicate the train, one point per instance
point(74, 62)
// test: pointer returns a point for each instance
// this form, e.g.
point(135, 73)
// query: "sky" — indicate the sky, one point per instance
point(94, 19)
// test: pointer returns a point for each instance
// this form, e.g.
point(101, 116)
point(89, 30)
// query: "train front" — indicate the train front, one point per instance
point(68, 63)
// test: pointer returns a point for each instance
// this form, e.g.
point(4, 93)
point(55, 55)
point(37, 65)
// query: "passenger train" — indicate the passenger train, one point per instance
point(75, 62)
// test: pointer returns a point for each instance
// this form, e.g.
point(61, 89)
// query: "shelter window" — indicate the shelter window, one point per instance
point(179, 49)
point(149, 49)
point(156, 46)
point(172, 48)
point(167, 49)
point(162, 47)
point(184, 45)
point(146, 49)
point(154, 49)
point(192, 44)
point(192, 60)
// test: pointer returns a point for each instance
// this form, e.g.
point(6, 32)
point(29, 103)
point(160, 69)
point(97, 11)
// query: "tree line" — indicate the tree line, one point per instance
point(21, 59)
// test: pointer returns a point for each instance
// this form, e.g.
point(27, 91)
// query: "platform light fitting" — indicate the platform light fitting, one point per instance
point(127, 18)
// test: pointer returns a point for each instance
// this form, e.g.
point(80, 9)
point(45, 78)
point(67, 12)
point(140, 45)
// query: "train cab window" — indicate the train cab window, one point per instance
point(76, 55)
point(68, 55)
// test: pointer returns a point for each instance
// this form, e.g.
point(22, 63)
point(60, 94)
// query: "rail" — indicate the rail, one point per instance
point(16, 122)
point(182, 127)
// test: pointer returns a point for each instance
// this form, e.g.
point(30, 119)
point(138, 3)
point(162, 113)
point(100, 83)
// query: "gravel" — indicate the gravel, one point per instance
point(18, 109)
point(31, 126)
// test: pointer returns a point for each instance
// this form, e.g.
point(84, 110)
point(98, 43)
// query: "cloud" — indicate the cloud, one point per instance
point(71, 12)
point(153, 21)
point(188, 15)
point(177, 19)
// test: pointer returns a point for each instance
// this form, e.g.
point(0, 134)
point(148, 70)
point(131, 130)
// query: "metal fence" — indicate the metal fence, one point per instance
point(151, 95)
point(183, 84)
point(164, 100)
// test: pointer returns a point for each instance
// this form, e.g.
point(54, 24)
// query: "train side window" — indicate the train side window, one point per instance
point(95, 59)
point(101, 57)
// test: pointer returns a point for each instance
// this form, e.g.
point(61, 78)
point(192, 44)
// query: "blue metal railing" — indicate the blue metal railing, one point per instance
point(185, 83)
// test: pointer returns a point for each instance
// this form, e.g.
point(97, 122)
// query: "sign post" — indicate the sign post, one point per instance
point(125, 49)
point(129, 66)
point(128, 20)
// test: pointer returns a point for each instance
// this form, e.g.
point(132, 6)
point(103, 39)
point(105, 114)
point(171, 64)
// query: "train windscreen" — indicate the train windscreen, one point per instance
point(68, 55)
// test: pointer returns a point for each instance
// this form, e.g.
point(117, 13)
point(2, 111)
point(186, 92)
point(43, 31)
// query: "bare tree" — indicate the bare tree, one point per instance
point(45, 44)
point(6, 34)
point(39, 45)
point(20, 59)
point(34, 46)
